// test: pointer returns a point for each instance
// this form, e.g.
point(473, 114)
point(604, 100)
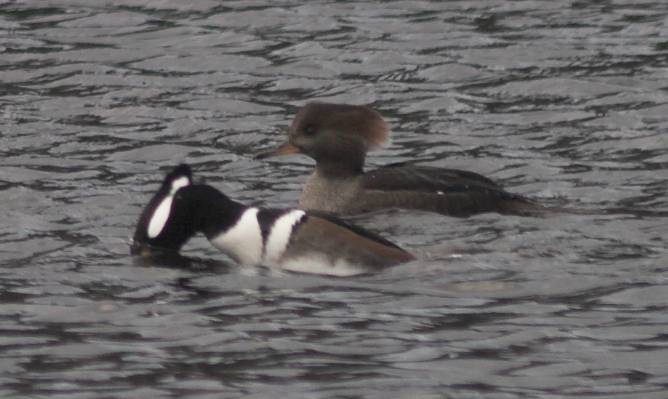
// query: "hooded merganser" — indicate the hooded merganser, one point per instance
point(289, 239)
point(338, 137)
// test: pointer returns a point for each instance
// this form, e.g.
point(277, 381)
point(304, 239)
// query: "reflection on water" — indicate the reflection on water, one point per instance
point(562, 102)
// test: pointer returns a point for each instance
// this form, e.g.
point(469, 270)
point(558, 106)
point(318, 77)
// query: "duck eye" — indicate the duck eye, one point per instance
point(309, 130)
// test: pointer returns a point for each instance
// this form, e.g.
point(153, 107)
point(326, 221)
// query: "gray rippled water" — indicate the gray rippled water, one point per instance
point(564, 101)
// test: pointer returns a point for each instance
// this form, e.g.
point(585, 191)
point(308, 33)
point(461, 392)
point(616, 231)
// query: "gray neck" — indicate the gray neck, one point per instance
point(329, 194)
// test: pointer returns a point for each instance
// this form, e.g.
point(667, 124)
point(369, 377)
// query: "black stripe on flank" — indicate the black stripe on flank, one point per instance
point(266, 219)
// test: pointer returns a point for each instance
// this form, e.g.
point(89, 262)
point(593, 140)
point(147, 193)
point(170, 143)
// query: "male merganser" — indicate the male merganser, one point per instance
point(338, 137)
point(289, 239)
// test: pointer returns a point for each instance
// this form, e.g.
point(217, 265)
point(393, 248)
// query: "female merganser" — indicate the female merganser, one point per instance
point(289, 239)
point(338, 137)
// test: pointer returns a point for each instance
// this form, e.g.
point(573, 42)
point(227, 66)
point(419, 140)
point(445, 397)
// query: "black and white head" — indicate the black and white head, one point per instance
point(164, 222)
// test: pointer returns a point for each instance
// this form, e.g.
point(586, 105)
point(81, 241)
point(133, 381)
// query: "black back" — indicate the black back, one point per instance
point(426, 179)
point(211, 211)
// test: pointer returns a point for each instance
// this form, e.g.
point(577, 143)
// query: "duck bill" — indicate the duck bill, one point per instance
point(285, 149)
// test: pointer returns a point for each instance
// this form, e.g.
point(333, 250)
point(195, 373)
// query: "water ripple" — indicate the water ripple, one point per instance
point(563, 103)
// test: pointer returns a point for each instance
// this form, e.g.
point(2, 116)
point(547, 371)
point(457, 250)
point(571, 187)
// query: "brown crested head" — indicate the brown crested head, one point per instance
point(331, 124)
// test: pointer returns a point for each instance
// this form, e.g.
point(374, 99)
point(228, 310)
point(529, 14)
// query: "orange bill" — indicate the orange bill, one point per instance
point(284, 149)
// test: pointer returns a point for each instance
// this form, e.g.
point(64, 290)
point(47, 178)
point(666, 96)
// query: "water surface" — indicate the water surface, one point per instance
point(565, 102)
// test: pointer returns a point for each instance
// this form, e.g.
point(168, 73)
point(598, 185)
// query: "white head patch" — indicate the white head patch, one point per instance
point(161, 213)
point(178, 183)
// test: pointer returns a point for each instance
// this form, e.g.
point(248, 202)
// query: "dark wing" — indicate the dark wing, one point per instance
point(426, 179)
point(355, 229)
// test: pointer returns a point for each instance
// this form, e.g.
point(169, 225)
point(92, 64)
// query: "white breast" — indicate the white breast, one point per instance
point(243, 241)
point(279, 236)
